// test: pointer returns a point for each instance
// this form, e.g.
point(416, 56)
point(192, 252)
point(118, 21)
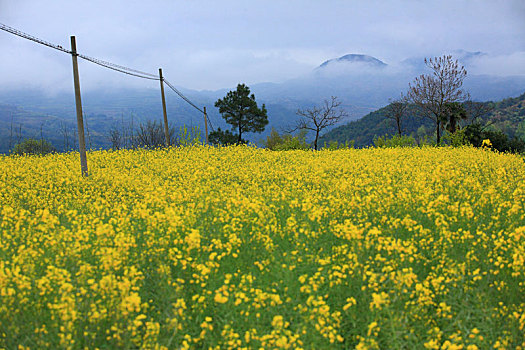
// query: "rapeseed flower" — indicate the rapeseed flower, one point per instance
point(237, 247)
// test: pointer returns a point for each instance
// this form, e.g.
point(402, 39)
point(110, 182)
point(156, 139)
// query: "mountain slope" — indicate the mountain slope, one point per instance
point(507, 116)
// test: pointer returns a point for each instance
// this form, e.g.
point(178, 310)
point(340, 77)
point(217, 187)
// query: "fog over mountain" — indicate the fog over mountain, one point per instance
point(363, 83)
point(355, 58)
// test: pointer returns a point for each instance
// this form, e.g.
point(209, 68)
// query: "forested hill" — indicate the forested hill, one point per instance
point(507, 115)
point(374, 124)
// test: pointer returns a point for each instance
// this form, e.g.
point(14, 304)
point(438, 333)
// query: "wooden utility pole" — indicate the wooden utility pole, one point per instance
point(206, 124)
point(80, 119)
point(166, 129)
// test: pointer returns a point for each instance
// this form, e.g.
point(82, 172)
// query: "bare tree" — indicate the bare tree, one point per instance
point(477, 110)
point(19, 135)
point(151, 135)
point(87, 131)
point(11, 134)
point(396, 111)
point(65, 133)
point(318, 118)
point(132, 142)
point(124, 131)
point(433, 92)
point(115, 137)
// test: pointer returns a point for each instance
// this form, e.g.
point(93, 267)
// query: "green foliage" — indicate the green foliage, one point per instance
point(224, 137)
point(240, 110)
point(32, 146)
point(395, 141)
point(364, 130)
point(287, 141)
point(189, 137)
point(457, 138)
point(507, 116)
point(454, 113)
point(520, 130)
point(516, 145)
point(334, 145)
point(476, 133)
point(273, 140)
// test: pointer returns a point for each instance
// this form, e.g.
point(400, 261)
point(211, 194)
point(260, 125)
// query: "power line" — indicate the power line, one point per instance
point(106, 64)
point(32, 38)
point(188, 100)
point(209, 121)
point(182, 96)
point(118, 69)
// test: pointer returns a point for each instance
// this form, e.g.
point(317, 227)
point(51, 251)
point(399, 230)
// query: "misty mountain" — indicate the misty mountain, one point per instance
point(362, 83)
point(355, 58)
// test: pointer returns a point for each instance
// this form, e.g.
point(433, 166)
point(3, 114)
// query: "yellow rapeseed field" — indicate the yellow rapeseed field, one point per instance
point(238, 247)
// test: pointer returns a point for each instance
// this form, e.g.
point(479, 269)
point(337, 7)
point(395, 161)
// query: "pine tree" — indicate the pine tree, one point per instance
point(240, 110)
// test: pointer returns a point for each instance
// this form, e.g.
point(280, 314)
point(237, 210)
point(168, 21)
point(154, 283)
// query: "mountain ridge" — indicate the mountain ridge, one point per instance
point(355, 58)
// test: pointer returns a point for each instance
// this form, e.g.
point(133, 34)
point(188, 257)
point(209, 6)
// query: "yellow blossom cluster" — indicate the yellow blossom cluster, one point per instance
point(238, 247)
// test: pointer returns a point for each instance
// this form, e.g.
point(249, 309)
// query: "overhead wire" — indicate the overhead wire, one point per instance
point(181, 95)
point(109, 65)
point(118, 69)
point(209, 121)
point(32, 38)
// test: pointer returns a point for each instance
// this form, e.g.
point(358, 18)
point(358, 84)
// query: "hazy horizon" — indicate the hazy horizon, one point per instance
point(206, 45)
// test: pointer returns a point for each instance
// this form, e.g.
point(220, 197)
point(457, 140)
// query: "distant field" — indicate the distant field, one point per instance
point(241, 247)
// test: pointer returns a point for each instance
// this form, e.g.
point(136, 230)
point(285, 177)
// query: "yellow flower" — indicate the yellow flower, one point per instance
point(219, 298)
point(378, 300)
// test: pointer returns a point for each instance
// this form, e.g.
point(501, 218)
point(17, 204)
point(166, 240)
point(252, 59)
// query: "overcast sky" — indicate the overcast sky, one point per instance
point(218, 43)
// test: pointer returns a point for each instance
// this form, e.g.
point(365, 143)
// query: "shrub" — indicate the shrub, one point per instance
point(273, 140)
point(475, 134)
point(189, 137)
point(224, 137)
point(32, 146)
point(287, 141)
point(152, 135)
point(395, 141)
point(457, 139)
point(333, 145)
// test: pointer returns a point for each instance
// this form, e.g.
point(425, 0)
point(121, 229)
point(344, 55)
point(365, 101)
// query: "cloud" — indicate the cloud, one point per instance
point(500, 65)
point(206, 44)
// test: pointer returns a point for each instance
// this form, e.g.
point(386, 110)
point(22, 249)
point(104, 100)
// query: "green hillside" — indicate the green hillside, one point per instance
point(507, 116)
